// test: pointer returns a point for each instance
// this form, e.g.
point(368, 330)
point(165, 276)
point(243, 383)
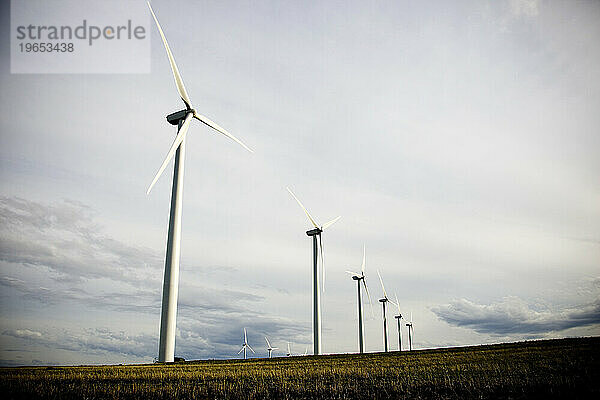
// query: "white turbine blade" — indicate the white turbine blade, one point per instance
point(241, 350)
point(328, 224)
point(251, 348)
point(245, 337)
point(304, 208)
point(369, 296)
point(219, 129)
point(274, 348)
point(176, 75)
point(322, 262)
point(178, 139)
point(352, 273)
point(382, 287)
point(268, 344)
point(362, 268)
point(411, 317)
point(397, 303)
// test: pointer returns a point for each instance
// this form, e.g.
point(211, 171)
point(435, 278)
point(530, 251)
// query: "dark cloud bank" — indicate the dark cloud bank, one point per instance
point(64, 243)
point(514, 316)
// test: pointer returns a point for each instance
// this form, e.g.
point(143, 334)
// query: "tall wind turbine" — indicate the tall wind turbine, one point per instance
point(166, 348)
point(269, 347)
point(316, 294)
point(383, 301)
point(361, 278)
point(398, 318)
point(289, 353)
point(409, 325)
point(245, 345)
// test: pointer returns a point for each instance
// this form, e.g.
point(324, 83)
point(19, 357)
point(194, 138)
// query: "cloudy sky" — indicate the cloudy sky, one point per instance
point(459, 142)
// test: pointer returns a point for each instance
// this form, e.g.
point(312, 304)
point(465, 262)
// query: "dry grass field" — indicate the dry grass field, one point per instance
point(564, 368)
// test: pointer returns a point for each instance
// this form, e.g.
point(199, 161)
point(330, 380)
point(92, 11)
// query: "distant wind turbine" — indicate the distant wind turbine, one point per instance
point(245, 345)
point(289, 353)
point(166, 348)
point(409, 325)
point(361, 278)
point(398, 318)
point(383, 301)
point(269, 347)
point(316, 294)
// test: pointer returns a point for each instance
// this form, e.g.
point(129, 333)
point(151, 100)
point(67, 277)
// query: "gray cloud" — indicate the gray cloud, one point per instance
point(514, 316)
point(91, 341)
point(65, 239)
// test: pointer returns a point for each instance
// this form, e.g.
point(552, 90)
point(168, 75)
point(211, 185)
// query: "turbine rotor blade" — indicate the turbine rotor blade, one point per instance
point(219, 129)
point(304, 208)
point(352, 273)
point(241, 350)
point(176, 75)
point(397, 303)
point(268, 344)
point(322, 262)
point(178, 139)
point(369, 295)
point(251, 348)
point(328, 224)
point(382, 287)
point(362, 268)
point(245, 337)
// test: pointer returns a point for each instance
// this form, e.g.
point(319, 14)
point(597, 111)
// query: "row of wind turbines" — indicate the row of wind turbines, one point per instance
point(182, 119)
point(270, 348)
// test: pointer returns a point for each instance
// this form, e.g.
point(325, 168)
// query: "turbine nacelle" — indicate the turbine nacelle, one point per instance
point(313, 232)
point(384, 300)
point(177, 116)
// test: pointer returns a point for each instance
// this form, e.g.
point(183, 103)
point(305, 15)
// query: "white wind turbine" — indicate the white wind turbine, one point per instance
point(289, 353)
point(269, 347)
point(245, 345)
point(316, 294)
point(166, 349)
point(361, 278)
point(383, 301)
point(398, 318)
point(409, 325)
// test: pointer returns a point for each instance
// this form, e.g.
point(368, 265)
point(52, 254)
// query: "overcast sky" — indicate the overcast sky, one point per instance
point(459, 141)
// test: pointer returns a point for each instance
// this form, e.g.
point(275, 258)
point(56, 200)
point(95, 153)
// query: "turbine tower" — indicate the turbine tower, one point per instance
point(269, 347)
point(409, 325)
point(383, 301)
point(361, 278)
point(166, 348)
point(316, 296)
point(398, 318)
point(245, 345)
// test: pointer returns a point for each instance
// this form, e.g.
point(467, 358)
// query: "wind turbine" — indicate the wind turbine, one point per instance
point(361, 278)
point(289, 353)
point(183, 118)
point(383, 301)
point(245, 345)
point(316, 295)
point(398, 318)
point(269, 347)
point(409, 325)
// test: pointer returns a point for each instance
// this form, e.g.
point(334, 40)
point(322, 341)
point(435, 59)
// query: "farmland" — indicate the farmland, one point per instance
point(563, 368)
